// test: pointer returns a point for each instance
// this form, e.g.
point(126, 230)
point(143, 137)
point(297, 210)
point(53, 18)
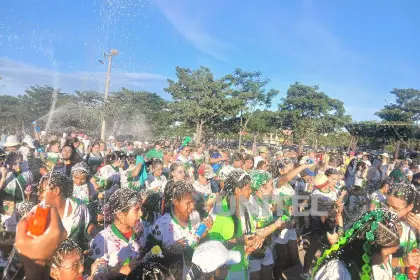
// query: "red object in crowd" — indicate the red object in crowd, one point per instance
point(413, 271)
point(38, 221)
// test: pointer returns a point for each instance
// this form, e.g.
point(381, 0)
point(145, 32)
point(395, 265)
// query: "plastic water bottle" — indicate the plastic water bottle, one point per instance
point(37, 129)
point(198, 234)
point(201, 230)
point(38, 221)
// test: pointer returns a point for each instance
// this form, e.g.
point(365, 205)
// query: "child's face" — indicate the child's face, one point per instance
point(267, 189)
point(55, 148)
point(249, 164)
point(71, 268)
point(157, 170)
point(222, 272)
point(131, 217)
point(167, 156)
point(95, 149)
point(79, 179)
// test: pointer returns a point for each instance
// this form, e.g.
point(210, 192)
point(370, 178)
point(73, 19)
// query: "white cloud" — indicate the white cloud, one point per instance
point(18, 76)
point(186, 21)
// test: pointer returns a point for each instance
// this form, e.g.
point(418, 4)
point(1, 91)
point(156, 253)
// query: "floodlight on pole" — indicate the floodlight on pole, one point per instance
point(112, 53)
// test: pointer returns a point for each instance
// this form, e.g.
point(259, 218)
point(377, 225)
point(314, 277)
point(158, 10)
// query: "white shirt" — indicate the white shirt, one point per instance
point(78, 219)
point(156, 183)
point(86, 144)
point(204, 189)
point(336, 270)
point(167, 230)
point(368, 163)
point(114, 248)
point(358, 180)
point(331, 194)
point(285, 235)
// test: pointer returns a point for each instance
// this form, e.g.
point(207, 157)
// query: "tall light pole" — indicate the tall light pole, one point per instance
point(113, 52)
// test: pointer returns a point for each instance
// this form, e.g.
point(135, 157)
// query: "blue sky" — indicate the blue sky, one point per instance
point(356, 51)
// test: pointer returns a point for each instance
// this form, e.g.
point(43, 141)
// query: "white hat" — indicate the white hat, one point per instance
point(111, 138)
point(11, 141)
point(28, 140)
point(212, 255)
point(409, 173)
point(385, 155)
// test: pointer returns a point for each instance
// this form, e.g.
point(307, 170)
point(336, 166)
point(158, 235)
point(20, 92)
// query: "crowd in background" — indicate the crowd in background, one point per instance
point(121, 209)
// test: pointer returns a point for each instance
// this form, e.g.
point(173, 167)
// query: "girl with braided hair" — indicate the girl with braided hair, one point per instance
point(178, 225)
point(118, 244)
point(151, 270)
point(108, 178)
point(400, 201)
point(233, 224)
point(67, 261)
point(364, 252)
point(177, 174)
point(14, 178)
point(156, 181)
point(286, 242)
point(83, 190)
point(55, 189)
point(261, 260)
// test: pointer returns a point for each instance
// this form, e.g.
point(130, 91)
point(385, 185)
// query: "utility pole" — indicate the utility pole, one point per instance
point(113, 52)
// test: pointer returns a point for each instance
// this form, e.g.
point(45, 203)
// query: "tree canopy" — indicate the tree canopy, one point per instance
point(308, 111)
point(230, 105)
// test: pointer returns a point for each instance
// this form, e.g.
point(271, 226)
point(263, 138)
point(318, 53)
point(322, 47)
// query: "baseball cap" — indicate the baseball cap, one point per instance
point(211, 255)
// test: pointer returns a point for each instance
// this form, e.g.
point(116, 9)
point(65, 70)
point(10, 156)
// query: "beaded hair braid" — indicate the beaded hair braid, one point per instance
point(57, 179)
point(377, 219)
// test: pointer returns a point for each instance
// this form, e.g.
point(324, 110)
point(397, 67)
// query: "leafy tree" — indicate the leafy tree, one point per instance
point(250, 90)
point(39, 100)
point(406, 107)
point(338, 139)
point(199, 98)
point(89, 99)
point(262, 122)
point(401, 115)
point(139, 113)
point(10, 113)
point(308, 111)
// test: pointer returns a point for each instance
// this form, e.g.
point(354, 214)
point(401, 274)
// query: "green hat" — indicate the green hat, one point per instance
point(258, 179)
